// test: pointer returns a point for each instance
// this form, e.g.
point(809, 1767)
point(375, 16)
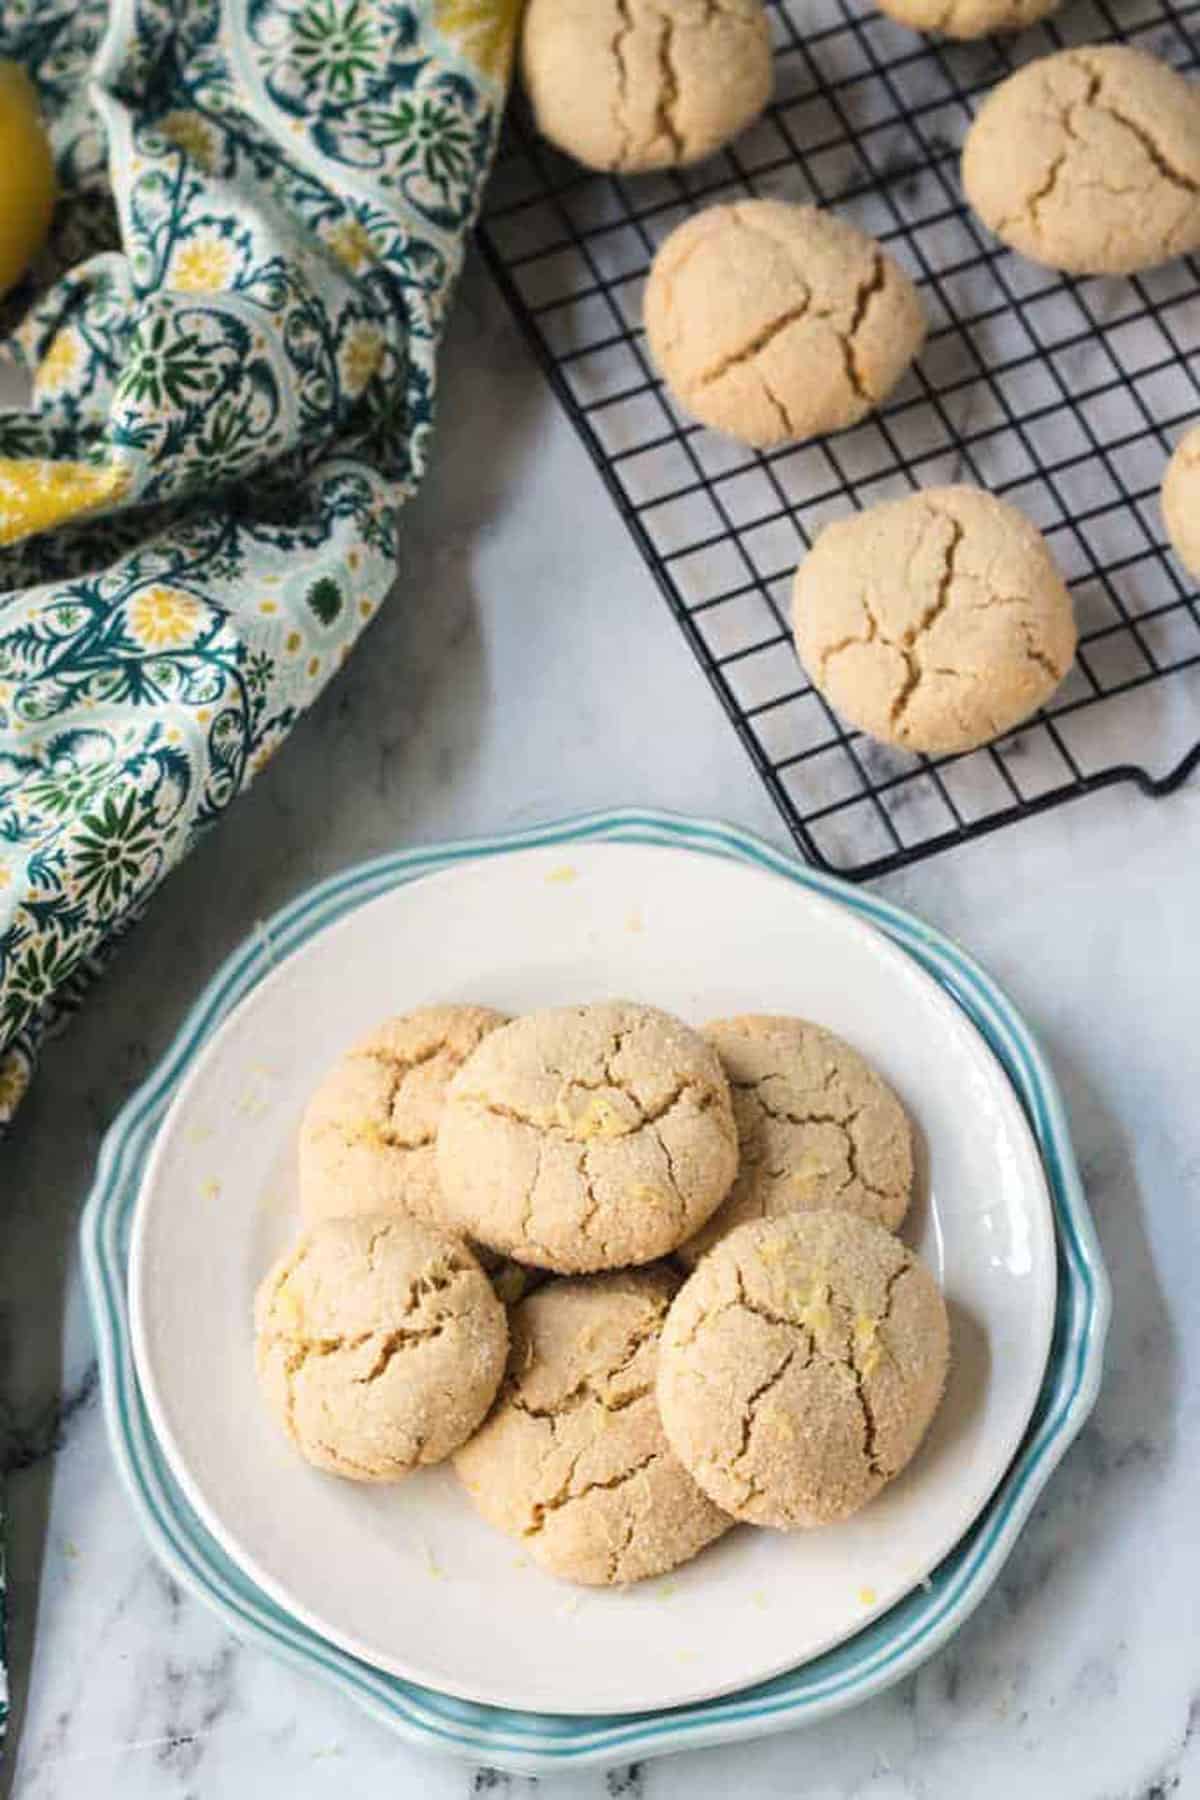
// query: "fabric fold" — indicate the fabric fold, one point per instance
point(264, 211)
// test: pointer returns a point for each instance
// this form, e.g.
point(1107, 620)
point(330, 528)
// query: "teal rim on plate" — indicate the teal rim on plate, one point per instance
point(891, 1646)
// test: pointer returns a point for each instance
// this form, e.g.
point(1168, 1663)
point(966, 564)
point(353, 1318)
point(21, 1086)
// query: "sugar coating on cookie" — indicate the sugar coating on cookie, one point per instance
point(573, 1460)
point(1089, 161)
point(968, 18)
point(774, 322)
point(645, 84)
point(368, 1133)
point(800, 1367)
point(818, 1129)
point(935, 622)
point(380, 1345)
point(587, 1137)
point(1181, 501)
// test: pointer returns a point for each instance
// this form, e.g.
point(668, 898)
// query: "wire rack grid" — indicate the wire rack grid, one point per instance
point(1064, 396)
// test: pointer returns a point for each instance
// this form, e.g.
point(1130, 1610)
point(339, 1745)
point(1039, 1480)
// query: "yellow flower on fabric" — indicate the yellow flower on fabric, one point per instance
point(360, 356)
point(351, 243)
point(481, 30)
point(204, 265)
point(191, 134)
point(59, 363)
point(164, 618)
point(14, 1079)
point(35, 494)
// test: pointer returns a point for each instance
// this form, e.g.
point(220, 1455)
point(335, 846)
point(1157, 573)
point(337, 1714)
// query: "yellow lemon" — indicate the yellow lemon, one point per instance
point(27, 185)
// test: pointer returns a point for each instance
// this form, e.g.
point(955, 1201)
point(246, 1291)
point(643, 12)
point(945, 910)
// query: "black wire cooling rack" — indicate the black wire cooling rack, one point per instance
point(1064, 396)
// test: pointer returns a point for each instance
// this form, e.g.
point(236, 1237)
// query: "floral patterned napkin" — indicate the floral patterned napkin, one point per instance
point(233, 385)
point(264, 207)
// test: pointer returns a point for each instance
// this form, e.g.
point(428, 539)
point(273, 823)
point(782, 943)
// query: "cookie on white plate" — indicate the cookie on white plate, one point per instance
point(800, 1367)
point(817, 1128)
point(380, 1345)
point(368, 1132)
point(587, 1137)
point(572, 1460)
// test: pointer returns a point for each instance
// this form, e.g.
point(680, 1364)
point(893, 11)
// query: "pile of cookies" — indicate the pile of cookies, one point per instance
point(939, 622)
point(640, 1281)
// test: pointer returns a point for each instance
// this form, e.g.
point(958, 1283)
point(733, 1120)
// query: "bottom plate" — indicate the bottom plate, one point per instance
point(409, 1577)
point(890, 1645)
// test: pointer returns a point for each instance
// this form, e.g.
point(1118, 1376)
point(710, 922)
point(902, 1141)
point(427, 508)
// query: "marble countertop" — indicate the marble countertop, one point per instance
point(528, 668)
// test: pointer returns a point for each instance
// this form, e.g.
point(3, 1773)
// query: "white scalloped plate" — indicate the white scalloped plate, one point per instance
point(408, 1578)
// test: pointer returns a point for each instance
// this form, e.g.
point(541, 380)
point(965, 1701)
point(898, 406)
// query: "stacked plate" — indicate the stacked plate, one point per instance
point(400, 1596)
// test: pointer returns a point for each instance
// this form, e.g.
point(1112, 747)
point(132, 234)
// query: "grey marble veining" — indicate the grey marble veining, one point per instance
point(528, 668)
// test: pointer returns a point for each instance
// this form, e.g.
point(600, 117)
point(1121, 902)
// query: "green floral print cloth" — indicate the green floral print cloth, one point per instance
point(264, 207)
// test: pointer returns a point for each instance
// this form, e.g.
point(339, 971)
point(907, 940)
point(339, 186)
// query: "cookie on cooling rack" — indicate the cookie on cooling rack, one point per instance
point(968, 18)
point(1181, 501)
point(936, 622)
point(775, 323)
point(1089, 161)
point(645, 84)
